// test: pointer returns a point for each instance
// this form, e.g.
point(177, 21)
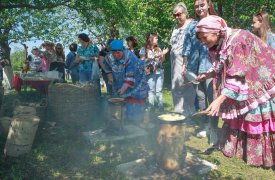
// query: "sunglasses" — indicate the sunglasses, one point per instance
point(177, 15)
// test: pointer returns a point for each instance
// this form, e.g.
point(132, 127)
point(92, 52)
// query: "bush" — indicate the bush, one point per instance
point(17, 59)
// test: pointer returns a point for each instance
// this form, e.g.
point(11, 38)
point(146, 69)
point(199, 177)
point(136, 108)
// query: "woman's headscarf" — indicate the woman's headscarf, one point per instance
point(116, 45)
point(211, 24)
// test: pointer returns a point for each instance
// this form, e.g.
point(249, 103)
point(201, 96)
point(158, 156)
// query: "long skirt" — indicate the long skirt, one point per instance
point(254, 142)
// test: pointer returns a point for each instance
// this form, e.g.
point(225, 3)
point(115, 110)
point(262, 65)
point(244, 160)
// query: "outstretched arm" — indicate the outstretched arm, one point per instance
point(214, 107)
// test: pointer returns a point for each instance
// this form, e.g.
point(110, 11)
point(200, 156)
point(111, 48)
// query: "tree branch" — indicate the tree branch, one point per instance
point(29, 6)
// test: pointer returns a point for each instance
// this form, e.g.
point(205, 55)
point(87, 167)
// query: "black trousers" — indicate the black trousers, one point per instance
point(58, 66)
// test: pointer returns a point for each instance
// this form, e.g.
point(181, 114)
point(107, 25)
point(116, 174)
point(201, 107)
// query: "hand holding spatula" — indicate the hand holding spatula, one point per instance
point(200, 113)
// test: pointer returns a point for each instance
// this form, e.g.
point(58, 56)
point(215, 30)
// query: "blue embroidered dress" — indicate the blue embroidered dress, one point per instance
point(130, 71)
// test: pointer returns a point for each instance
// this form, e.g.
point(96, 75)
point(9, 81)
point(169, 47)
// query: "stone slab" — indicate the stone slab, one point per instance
point(100, 135)
point(146, 169)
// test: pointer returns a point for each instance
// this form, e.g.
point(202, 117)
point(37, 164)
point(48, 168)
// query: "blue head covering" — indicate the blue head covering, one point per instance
point(116, 45)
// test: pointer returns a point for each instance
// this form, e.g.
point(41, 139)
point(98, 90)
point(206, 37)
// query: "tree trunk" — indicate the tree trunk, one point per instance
point(114, 33)
point(5, 51)
point(8, 74)
point(220, 7)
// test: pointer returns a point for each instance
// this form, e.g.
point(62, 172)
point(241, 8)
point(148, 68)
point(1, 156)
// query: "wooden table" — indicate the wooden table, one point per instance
point(38, 83)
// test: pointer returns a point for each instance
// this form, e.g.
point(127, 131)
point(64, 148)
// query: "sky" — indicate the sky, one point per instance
point(37, 43)
point(30, 44)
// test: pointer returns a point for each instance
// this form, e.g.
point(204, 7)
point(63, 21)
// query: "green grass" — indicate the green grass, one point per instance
point(62, 152)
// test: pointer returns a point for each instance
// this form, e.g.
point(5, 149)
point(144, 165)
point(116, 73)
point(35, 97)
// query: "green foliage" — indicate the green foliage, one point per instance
point(45, 25)
point(48, 22)
point(112, 18)
point(121, 18)
point(17, 59)
point(62, 20)
point(238, 14)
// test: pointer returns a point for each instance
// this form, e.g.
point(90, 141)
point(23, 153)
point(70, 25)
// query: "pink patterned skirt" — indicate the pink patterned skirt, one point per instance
point(252, 141)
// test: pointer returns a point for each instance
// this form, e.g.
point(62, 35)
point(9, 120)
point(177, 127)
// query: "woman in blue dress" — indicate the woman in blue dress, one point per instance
point(86, 56)
point(126, 74)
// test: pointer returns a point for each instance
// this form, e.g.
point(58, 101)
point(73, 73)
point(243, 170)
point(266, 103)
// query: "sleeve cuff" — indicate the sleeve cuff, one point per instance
point(234, 95)
point(129, 83)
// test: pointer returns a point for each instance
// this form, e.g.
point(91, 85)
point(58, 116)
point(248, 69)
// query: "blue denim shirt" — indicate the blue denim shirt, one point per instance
point(70, 58)
point(271, 39)
point(196, 53)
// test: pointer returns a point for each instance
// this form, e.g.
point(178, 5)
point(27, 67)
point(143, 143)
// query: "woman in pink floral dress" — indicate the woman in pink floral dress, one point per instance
point(48, 56)
point(245, 77)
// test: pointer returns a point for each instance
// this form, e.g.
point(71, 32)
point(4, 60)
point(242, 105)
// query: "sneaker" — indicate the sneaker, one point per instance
point(202, 134)
point(210, 150)
point(149, 109)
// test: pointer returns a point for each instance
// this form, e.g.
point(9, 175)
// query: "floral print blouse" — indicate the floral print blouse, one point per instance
point(92, 50)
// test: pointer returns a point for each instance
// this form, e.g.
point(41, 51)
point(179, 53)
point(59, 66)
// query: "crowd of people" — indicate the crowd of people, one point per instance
point(233, 68)
point(52, 58)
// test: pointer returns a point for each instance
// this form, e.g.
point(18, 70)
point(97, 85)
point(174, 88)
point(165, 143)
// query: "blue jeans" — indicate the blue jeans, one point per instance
point(74, 75)
point(85, 76)
point(205, 94)
point(155, 82)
